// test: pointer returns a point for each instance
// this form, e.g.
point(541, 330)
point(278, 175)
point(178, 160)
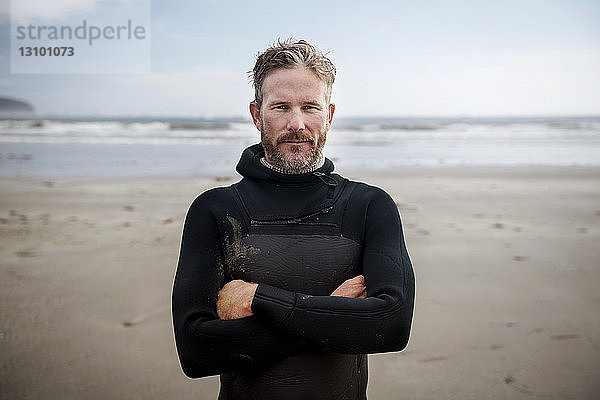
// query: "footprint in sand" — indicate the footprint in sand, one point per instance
point(432, 359)
point(145, 316)
point(512, 382)
point(406, 207)
point(21, 217)
point(129, 208)
point(25, 254)
point(582, 230)
point(534, 331)
point(564, 337)
point(498, 225)
point(520, 258)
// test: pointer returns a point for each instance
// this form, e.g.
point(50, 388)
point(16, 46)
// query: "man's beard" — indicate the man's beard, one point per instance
point(298, 162)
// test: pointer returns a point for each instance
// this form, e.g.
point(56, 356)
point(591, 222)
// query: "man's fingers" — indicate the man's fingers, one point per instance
point(234, 300)
point(357, 279)
point(363, 293)
point(353, 288)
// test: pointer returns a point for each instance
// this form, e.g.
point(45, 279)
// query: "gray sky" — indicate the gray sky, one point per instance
point(401, 58)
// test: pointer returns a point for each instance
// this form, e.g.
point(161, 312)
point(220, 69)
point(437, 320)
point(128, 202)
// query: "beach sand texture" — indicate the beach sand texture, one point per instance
point(507, 263)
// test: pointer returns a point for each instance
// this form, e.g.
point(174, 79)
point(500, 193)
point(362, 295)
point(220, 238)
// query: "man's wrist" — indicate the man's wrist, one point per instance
point(273, 303)
point(252, 287)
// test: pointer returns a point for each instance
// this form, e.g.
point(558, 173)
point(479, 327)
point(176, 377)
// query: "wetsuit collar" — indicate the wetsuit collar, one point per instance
point(250, 166)
point(312, 168)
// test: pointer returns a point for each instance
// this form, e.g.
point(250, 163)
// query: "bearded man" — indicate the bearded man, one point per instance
point(289, 278)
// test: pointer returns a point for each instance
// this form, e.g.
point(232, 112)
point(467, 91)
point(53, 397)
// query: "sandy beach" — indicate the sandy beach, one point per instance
point(507, 264)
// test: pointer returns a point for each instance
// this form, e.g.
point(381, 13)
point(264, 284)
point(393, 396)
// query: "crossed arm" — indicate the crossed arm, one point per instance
point(234, 300)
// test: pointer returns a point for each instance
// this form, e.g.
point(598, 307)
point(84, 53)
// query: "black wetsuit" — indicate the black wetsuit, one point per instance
point(299, 237)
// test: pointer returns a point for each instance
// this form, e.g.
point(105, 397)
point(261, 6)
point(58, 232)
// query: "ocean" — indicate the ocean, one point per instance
point(156, 147)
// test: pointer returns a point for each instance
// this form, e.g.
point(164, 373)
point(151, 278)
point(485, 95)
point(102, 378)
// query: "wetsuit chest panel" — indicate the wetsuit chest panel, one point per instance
point(310, 264)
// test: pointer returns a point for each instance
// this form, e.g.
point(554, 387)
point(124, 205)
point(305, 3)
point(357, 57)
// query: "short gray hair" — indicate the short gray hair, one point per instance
point(290, 54)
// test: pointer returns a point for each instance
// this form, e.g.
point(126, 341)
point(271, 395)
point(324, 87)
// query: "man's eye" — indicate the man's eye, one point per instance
point(311, 108)
point(281, 107)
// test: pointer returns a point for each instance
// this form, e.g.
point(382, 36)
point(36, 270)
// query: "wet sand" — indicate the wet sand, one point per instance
point(507, 263)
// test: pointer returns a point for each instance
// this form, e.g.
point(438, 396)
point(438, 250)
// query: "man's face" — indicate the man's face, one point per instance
point(294, 118)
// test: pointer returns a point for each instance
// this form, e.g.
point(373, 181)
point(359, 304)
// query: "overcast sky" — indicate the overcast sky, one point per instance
point(394, 58)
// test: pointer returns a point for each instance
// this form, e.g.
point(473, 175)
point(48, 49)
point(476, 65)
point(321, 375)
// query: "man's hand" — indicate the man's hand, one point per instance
point(234, 300)
point(354, 288)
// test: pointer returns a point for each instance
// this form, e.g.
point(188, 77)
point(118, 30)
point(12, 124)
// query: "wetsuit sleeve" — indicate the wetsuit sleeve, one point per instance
point(379, 323)
point(207, 345)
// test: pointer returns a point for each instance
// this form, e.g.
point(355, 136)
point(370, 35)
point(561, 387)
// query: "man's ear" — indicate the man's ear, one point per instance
point(331, 110)
point(255, 113)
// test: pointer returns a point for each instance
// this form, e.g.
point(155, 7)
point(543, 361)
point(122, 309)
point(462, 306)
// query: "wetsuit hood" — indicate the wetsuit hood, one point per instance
point(271, 195)
point(250, 166)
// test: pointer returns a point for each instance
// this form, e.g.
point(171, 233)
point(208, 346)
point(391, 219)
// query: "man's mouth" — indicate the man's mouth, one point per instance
point(295, 139)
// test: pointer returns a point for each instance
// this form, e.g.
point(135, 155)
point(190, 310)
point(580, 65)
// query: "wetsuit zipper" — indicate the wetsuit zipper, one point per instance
point(298, 220)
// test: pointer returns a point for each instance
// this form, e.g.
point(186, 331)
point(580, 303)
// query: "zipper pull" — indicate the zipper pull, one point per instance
point(326, 179)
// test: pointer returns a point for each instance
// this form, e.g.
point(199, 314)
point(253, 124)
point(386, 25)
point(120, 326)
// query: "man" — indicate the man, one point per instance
point(288, 278)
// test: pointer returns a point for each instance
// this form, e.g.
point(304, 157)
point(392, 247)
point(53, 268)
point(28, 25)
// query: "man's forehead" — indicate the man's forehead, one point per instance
point(294, 83)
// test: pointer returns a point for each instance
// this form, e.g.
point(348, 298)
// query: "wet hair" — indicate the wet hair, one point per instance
point(291, 54)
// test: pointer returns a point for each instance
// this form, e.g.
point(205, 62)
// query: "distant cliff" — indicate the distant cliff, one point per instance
point(14, 108)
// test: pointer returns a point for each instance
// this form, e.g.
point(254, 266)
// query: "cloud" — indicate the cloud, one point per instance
point(25, 11)
point(527, 82)
point(179, 80)
point(207, 92)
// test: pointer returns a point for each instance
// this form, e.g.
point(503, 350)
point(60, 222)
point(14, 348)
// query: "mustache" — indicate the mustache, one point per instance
point(299, 136)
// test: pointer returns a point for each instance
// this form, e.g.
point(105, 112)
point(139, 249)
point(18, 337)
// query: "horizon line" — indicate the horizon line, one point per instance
point(28, 116)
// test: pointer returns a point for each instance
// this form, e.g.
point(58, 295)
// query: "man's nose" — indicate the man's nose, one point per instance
point(296, 121)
